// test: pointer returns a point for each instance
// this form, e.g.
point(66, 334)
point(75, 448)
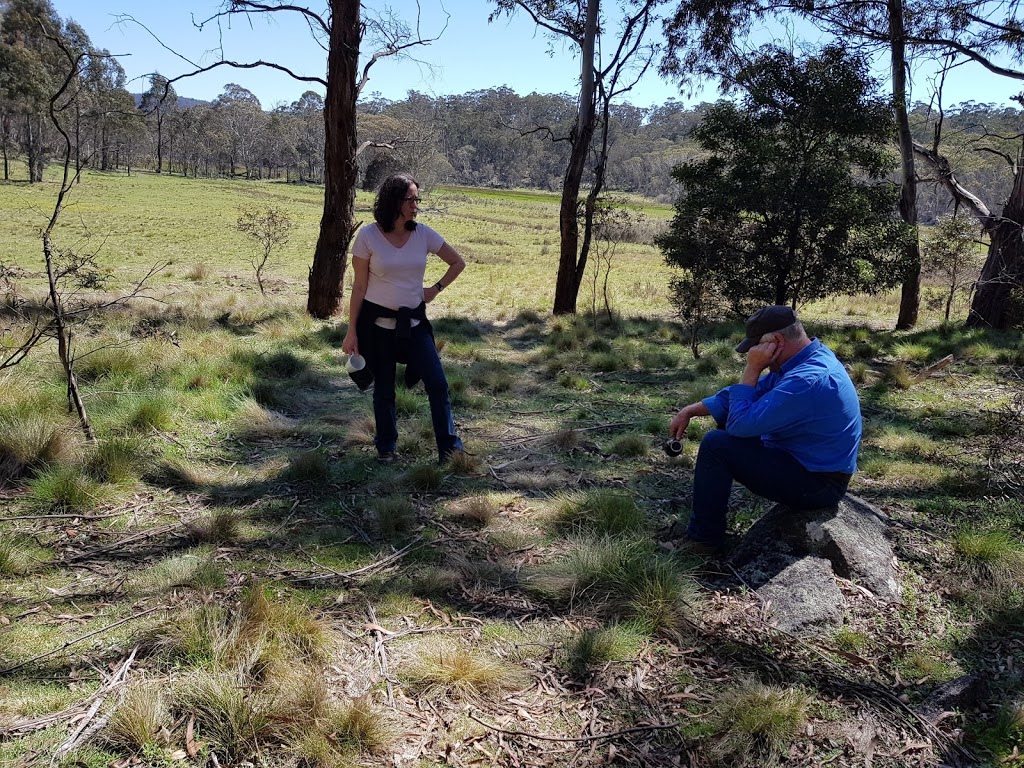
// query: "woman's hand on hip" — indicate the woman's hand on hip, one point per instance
point(430, 293)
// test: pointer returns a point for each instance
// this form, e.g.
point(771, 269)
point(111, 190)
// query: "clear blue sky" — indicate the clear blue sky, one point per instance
point(471, 54)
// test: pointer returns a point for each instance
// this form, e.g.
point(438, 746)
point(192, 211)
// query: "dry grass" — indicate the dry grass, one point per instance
point(141, 720)
point(456, 671)
point(757, 723)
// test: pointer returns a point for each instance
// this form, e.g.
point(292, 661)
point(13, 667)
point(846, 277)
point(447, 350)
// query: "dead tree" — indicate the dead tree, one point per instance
point(67, 273)
point(1003, 272)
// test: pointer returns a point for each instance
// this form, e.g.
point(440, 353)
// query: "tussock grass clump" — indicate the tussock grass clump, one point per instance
point(423, 477)
point(992, 556)
point(433, 581)
point(575, 381)
point(565, 439)
point(139, 722)
point(118, 460)
point(233, 717)
point(630, 446)
point(475, 510)
point(261, 634)
point(308, 467)
point(198, 636)
point(626, 576)
point(181, 474)
point(493, 376)
point(456, 671)
point(608, 362)
point(601, 511)
point(114, 362)
point(758, 722)
point(147, 412)
point(30, 442)
point(190, 570)
point(408, 403)
point(356, 728)
point(198, 273)
point(899, 376)
point(462, 463)
point(66, 490)
point(393, 516)
point(594, 647)
point(360, 726)
point(860, 372)
point(219, 526)
point(360, 432)
point(16, 556)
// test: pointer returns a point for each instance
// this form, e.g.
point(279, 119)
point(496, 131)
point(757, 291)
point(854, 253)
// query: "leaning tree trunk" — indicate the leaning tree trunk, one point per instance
point(1003, 273)
point(327, 274)
point(567, 284)
point(910, 295)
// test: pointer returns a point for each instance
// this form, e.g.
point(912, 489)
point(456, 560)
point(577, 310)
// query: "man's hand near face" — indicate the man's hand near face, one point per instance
point(759, 358)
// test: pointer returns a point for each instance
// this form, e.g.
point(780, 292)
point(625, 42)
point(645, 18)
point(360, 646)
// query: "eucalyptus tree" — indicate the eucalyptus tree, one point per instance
point(30, 71)
point(157, 103)
point(630, 52)
point(354, 38)
point(979, 31)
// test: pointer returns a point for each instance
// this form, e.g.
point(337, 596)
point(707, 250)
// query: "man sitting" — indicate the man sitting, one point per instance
point(790, 436)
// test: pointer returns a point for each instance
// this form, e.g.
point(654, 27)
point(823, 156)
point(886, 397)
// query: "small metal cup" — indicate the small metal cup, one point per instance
point(359, 372)
point(672, 448)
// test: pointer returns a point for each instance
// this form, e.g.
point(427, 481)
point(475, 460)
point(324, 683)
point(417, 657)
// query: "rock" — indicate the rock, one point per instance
point(803, 595)
point(852, 537)
point(792, 556)
point(956, 695)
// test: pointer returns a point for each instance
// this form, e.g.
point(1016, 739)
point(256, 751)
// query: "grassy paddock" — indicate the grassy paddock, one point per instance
point(232, 526)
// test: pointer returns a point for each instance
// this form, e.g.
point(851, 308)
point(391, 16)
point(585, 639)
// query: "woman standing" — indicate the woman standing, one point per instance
point(387, 321)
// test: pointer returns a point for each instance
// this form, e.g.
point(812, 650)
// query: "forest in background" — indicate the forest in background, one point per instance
point(490, 138)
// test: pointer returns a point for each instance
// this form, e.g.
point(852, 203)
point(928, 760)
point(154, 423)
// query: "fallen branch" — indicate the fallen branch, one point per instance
point(84, 710)
point(65, 517)
point(374, 566)
point(87, 727)
point(936, 366)
point(86, 636)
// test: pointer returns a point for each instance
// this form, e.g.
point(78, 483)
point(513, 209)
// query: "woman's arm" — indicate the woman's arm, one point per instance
point(361, 267)
point(455, 263)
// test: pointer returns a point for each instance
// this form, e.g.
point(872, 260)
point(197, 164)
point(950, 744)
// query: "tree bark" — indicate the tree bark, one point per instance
point(330, 258)
point(567, 283)
point(1003, 272)
point(910, 295)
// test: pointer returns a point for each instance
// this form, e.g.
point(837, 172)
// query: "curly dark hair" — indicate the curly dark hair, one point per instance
point(389, 201)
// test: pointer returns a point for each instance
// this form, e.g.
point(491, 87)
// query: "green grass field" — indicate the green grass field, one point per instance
point(229, 577)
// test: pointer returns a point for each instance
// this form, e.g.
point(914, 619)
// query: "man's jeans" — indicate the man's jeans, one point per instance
point(768, 472)
point(421, 354)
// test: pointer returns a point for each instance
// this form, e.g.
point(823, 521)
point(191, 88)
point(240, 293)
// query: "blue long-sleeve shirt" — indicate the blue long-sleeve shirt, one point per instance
point(809, 409)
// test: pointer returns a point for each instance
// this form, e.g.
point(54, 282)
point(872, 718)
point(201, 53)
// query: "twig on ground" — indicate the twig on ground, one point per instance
point(374, 566)
point(79, 639)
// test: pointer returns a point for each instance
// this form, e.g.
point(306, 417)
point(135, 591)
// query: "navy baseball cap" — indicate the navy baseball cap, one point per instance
point(765, 320)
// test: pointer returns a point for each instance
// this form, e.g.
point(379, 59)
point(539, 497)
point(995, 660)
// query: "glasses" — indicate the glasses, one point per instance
point(416, 200)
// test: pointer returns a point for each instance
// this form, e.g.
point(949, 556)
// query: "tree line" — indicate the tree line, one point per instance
point(486, 138)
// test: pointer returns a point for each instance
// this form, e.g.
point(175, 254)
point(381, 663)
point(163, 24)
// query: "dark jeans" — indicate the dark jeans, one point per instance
point(768, 472)
point(420, 352)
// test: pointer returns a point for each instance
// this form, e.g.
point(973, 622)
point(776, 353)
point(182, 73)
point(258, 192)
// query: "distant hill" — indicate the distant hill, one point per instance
point(184, 102)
